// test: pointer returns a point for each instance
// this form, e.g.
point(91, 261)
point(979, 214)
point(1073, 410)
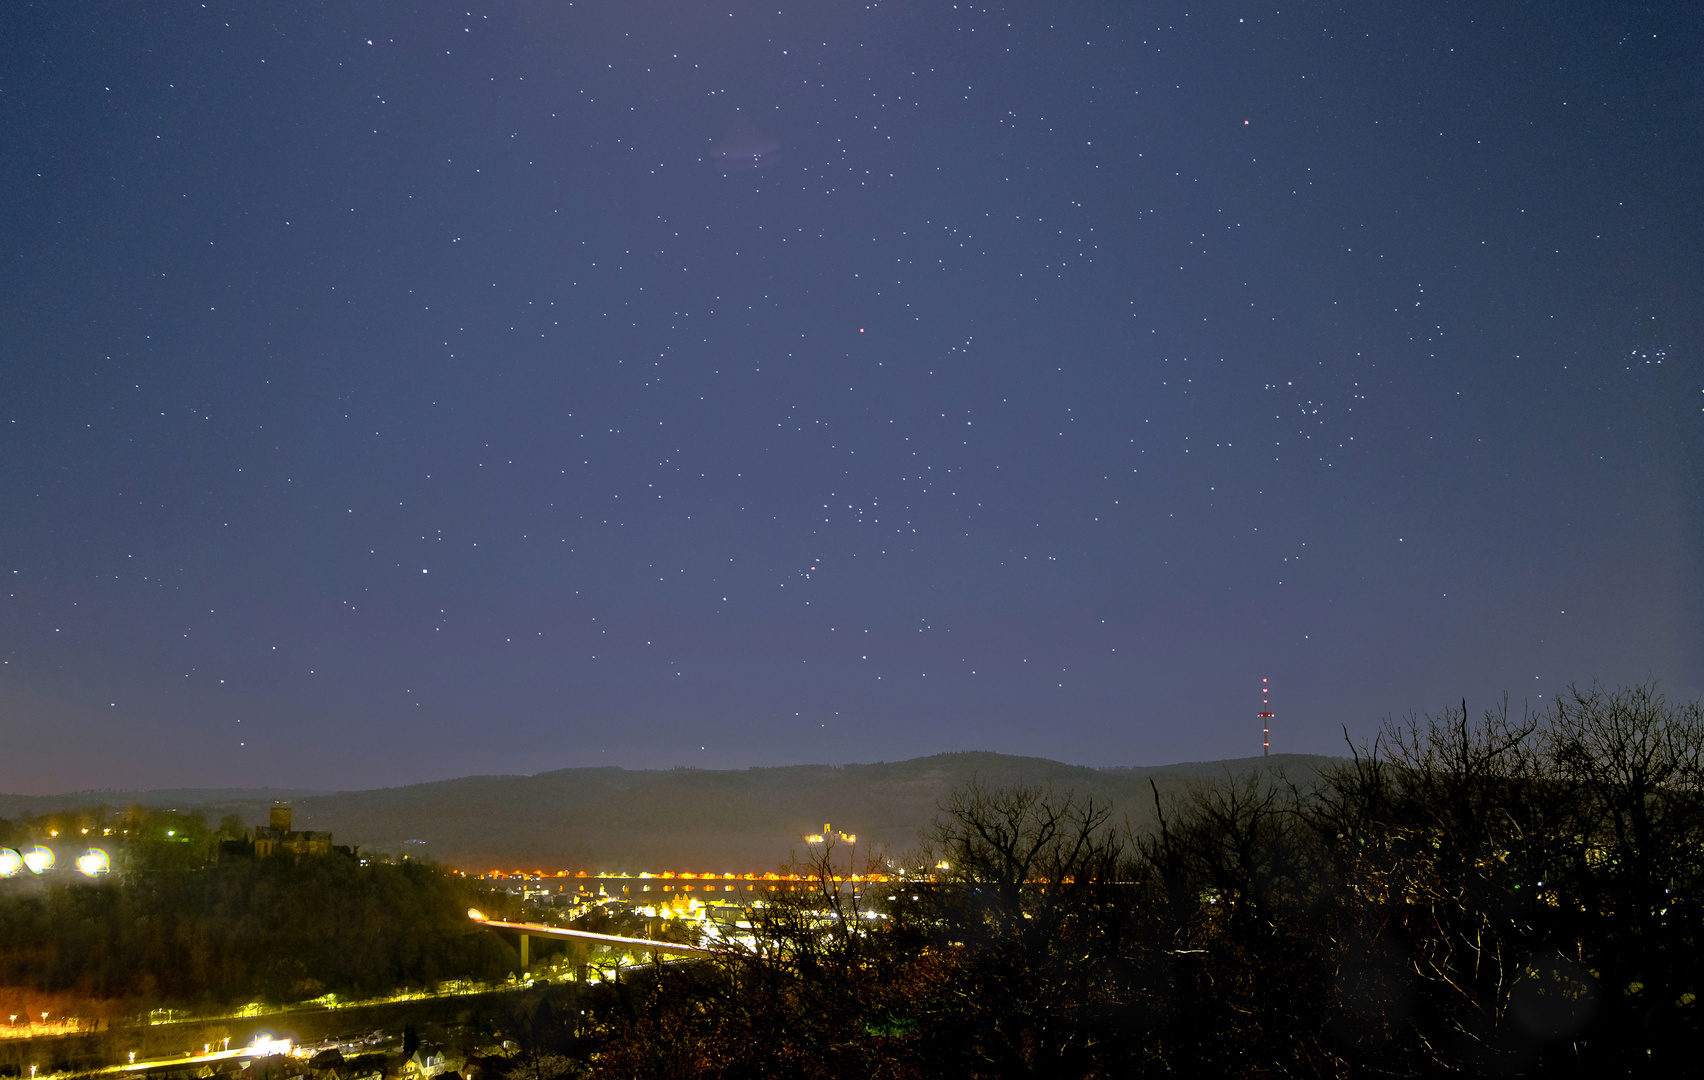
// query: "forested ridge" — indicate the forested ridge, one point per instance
point(179, 927)
point(614, 819)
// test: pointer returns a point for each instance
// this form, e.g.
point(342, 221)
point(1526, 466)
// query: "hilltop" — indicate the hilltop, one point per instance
point(614, 819)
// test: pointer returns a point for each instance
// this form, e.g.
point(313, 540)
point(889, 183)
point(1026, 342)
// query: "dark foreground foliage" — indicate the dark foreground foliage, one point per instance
point(1498, 897)
point(269, 930)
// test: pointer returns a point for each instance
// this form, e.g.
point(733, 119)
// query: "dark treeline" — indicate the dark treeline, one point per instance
point(1492, 897)
point(174, 932)
point(136, 838)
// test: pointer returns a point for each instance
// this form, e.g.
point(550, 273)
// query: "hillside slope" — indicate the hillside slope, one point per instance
point(612, 819)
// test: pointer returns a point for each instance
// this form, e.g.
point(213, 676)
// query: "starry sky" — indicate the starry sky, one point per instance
point(391, 392)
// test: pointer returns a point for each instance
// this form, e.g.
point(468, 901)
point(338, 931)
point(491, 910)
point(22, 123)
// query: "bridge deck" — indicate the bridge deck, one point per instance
point(674, 948)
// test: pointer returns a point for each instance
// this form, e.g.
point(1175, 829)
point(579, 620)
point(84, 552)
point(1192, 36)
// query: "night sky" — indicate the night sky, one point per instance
point(391, 392)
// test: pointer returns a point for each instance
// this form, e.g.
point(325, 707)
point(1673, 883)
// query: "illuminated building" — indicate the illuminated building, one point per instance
point(277, 838)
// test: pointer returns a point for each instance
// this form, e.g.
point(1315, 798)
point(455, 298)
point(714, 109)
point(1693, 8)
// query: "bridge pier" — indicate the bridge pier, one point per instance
point(580, 942)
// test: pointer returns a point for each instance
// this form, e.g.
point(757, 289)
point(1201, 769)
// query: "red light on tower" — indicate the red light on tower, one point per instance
point(1265, 720)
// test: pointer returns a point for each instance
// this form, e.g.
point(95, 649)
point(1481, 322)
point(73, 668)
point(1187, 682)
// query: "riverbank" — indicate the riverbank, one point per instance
point(91, 1051)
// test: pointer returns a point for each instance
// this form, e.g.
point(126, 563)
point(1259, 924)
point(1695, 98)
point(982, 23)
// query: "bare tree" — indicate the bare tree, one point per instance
point(1025, 892)
point(1635, 762)
point(1232, 907)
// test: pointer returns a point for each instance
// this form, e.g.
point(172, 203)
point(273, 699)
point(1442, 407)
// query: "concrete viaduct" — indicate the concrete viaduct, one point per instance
point(581, 941)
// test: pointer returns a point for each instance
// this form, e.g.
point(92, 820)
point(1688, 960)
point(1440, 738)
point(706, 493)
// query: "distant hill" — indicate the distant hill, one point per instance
point(213, 802)
point(611, 819)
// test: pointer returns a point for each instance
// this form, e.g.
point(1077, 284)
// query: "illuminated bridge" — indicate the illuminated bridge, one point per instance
point(580, 941)
point(649, 888)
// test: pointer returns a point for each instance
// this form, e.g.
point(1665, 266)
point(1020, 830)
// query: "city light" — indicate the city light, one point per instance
point(93, 862)
point(38, 859)
point(264, 1045)
point(475, 914)
point(10, 862)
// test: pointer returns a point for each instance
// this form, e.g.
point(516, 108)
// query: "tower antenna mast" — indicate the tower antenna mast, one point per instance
point(1265, 721)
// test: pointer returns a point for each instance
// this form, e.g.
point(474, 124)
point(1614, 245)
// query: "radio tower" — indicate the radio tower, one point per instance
point(1265, 721)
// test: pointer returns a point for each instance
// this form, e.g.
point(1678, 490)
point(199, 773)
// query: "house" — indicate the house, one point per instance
point(428, 1059)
